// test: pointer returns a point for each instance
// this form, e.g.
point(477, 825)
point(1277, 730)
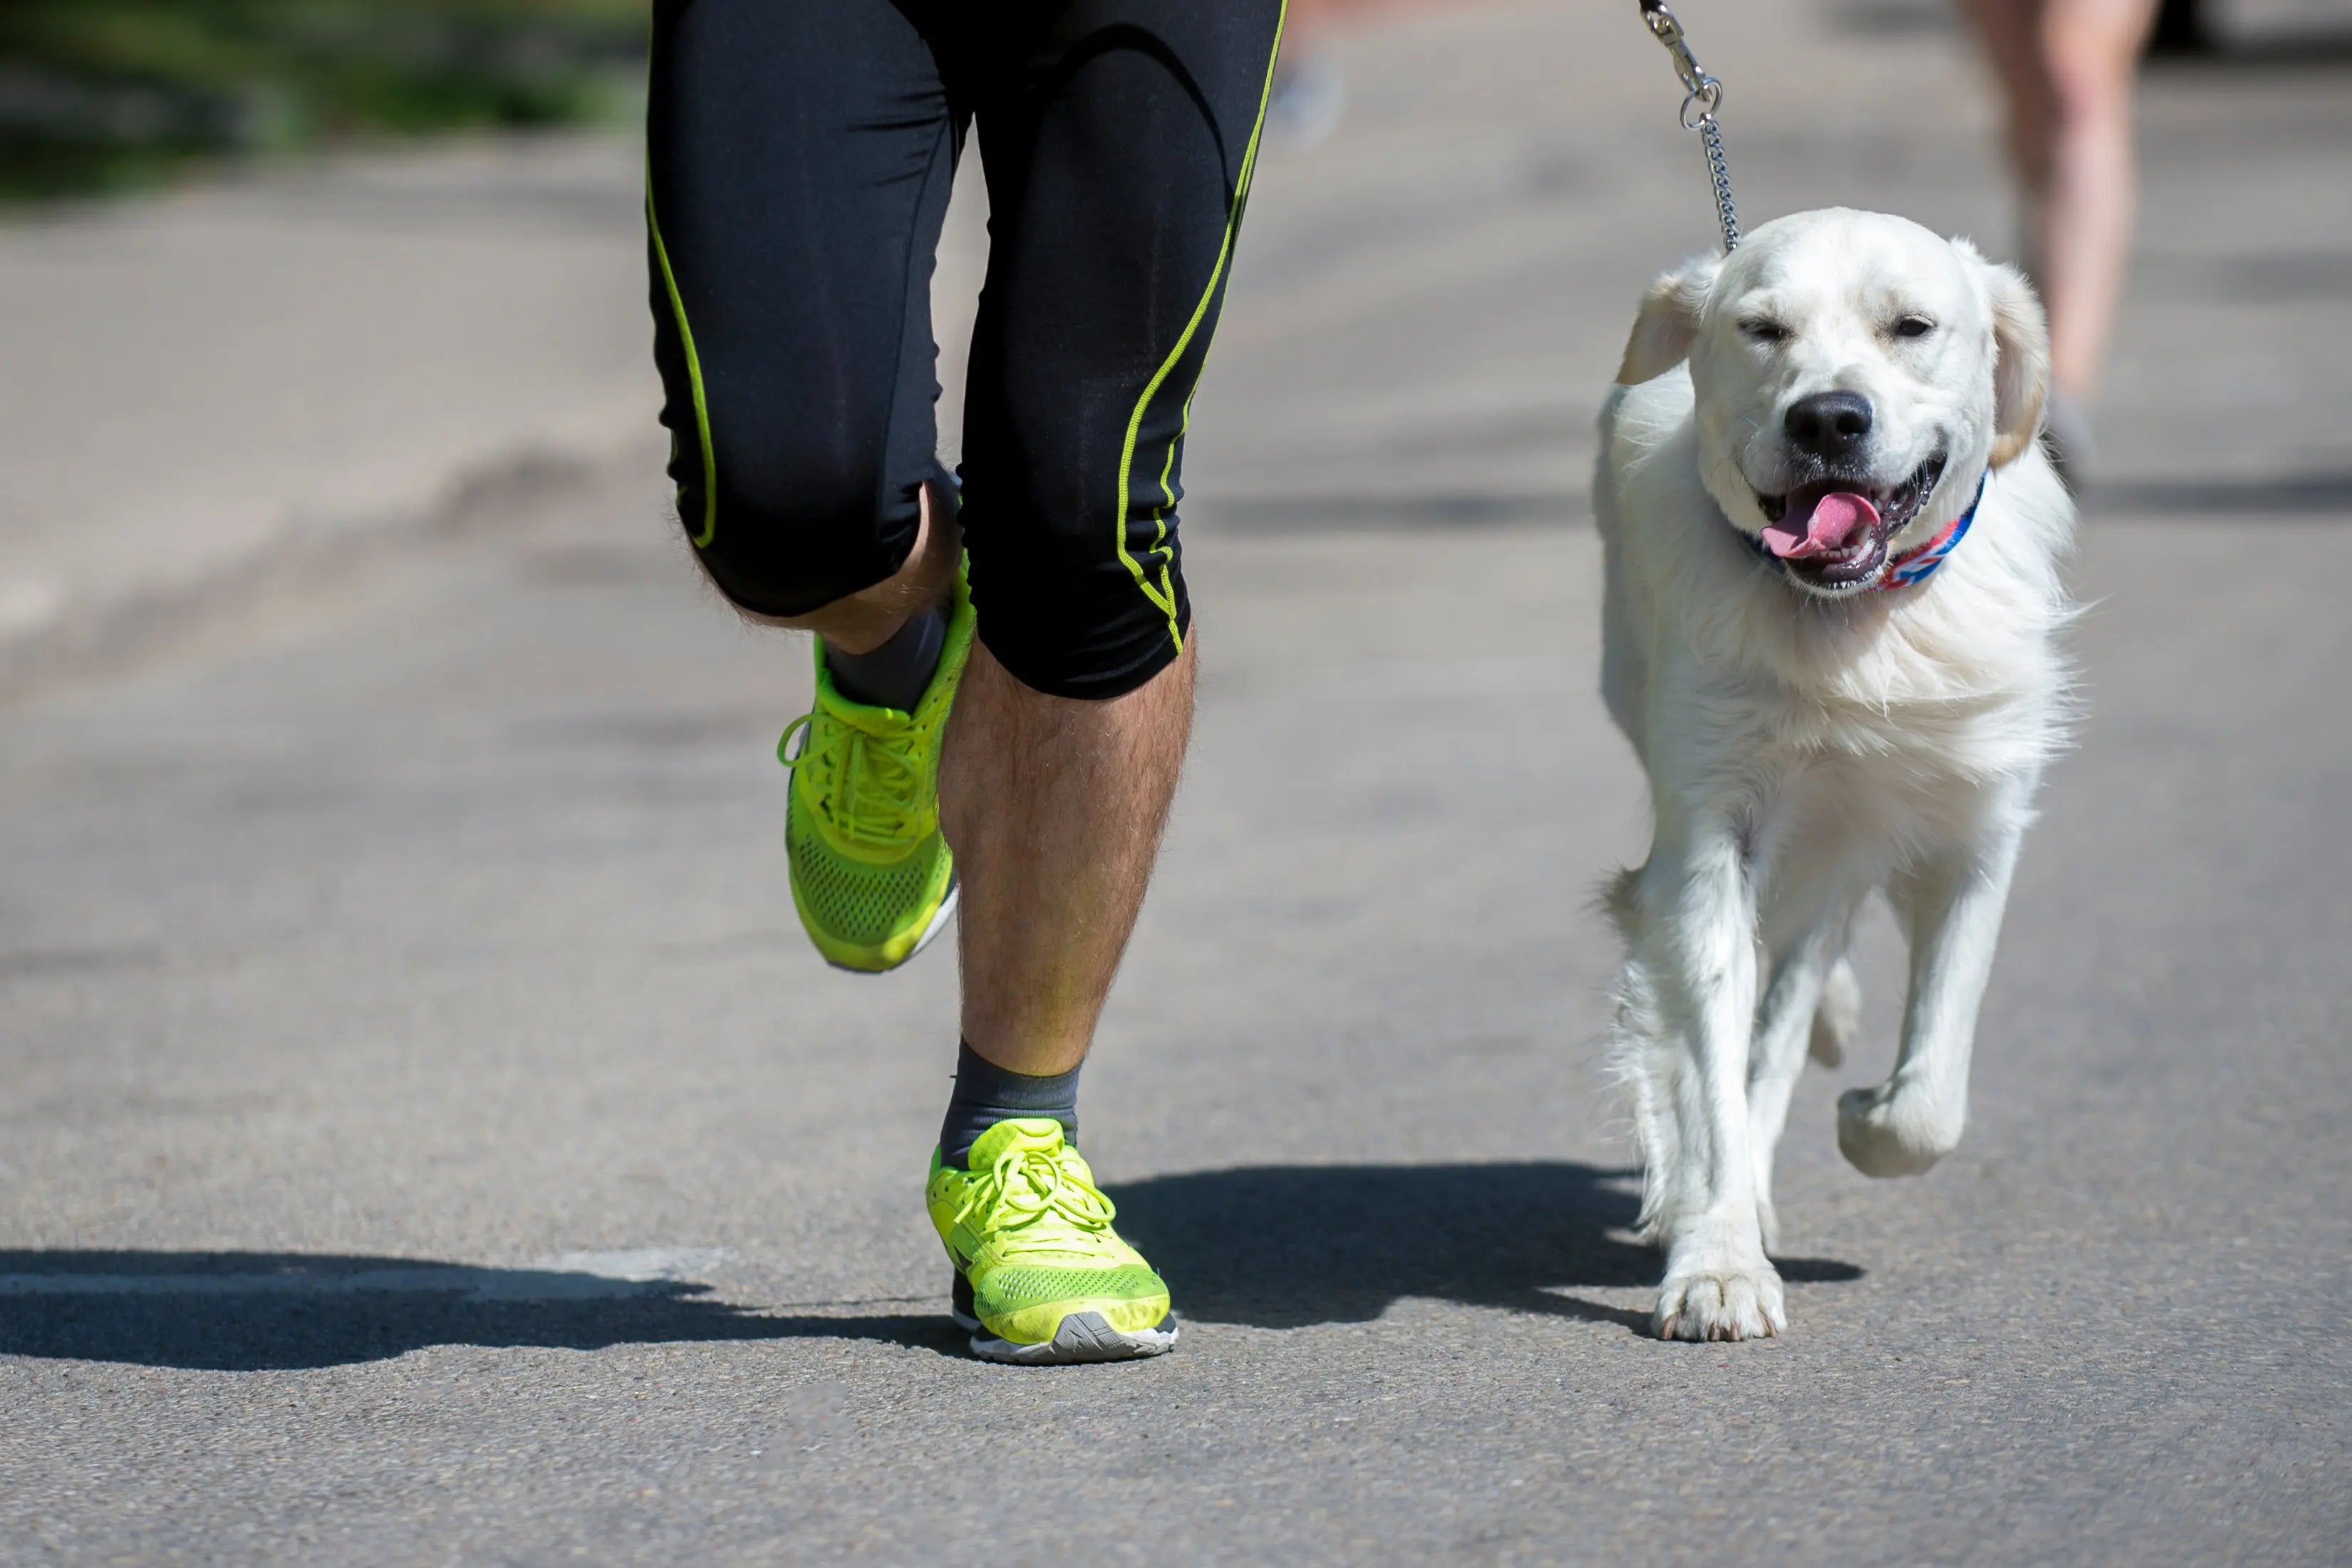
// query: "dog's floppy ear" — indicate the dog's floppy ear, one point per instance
point(2020, 371)
point(1668, 324)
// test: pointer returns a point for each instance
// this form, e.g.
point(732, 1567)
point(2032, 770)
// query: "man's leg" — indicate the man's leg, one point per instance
point(1054, 807)
point(800, 157)
point(858, 623)
point(799, 154)
point(1118, 140)
point(1120, 146)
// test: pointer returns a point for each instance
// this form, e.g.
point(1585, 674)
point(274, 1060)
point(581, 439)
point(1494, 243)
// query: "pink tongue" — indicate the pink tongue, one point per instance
point(1836, 522)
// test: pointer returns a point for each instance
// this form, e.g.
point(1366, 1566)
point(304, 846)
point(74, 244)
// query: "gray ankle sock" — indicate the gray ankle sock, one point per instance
point(986, 1095)
point(900, 672)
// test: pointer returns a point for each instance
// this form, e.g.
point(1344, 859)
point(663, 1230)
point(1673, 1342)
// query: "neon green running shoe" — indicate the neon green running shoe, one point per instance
point(1040, 1276)
point(871, 874)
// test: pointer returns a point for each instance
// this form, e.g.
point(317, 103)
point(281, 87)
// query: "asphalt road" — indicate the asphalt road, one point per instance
point(425, 1137)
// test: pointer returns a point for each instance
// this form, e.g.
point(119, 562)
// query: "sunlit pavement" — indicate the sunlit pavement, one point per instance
point(424, 1137)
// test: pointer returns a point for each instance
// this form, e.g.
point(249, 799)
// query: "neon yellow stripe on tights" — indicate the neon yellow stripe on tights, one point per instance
point(694, 377)
point(1162, 594)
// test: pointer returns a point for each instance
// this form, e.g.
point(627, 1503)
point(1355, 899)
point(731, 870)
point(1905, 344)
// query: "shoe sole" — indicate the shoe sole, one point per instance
point(940, 918)
point(1084, 1338)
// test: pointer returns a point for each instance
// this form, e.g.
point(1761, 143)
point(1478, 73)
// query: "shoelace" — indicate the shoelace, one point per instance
point(867, 785)
point(1028, 1189)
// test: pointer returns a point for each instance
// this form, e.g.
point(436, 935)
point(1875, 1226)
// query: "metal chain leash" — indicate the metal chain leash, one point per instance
point(1704, 96)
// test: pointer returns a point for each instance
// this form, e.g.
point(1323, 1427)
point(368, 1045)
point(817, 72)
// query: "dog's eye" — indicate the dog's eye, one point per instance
point(1765, 331)
point(1914, 327)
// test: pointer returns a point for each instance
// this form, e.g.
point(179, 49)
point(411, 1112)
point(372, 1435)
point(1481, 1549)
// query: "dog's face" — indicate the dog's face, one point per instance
point(1854, 374)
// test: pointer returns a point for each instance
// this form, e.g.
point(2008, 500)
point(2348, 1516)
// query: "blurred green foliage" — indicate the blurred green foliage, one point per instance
point(104, 94)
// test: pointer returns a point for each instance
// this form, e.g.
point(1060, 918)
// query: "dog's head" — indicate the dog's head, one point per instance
point(1854, 373)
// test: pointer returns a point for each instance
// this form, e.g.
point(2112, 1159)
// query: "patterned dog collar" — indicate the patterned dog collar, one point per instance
point(1913, 568)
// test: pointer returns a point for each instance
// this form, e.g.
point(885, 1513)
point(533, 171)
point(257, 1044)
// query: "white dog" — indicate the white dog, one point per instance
point(1832, 545)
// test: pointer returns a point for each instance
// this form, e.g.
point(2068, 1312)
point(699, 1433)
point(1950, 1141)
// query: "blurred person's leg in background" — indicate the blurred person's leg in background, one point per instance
point(2066, 69)
point(1310, 91)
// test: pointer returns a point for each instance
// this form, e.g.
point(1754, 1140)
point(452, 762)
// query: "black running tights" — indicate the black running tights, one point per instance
point(801, 153)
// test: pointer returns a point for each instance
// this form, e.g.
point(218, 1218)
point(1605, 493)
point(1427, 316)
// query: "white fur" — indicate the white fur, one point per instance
point(1802, 748)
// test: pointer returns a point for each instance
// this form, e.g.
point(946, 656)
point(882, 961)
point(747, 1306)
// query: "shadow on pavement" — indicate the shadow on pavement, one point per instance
point(1274, 1247)
point(1286, 1245)
point(249, 1311)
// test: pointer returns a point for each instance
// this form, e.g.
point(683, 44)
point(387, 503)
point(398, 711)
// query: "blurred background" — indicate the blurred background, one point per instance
point(390, 863)
point(110, 95)
point(331, 267)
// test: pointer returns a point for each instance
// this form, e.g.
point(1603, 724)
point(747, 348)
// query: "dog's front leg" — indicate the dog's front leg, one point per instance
point(1952, 907)
point(1784, 1026)
point(1696, 952)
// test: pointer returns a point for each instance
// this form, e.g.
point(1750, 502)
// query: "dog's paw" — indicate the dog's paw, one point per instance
point(1721, 1305)
point(1890, 1130)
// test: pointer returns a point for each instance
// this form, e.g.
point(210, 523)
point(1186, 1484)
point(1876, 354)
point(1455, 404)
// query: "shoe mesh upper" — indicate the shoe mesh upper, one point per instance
point(856, 901)
point(1018, 1287)
point(870, 872)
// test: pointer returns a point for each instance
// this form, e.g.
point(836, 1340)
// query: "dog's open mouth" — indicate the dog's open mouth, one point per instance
point(1830, 534)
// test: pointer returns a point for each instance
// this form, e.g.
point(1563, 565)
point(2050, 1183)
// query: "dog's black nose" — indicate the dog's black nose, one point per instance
point(1830, 426)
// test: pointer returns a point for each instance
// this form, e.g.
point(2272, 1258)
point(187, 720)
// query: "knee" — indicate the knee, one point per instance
point(785, 533)
point(1071, 604)
point(2081, 93)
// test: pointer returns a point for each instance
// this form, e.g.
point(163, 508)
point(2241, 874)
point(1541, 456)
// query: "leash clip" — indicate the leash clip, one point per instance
point(1702, 95)
point(1669, 31)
